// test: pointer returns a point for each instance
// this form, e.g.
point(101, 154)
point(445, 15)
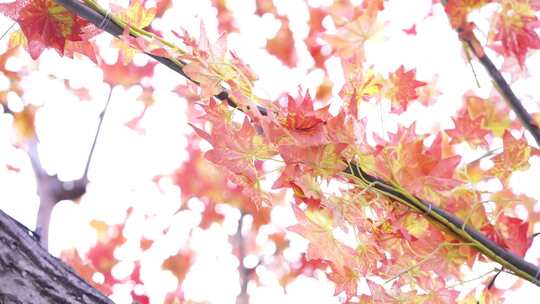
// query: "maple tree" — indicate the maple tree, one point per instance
point(389, 216)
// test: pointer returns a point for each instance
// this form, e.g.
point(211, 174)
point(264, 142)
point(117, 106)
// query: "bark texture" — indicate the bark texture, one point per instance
point(30, 275)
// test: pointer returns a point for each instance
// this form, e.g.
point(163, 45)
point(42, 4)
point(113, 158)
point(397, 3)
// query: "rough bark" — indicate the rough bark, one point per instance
point(29, 274)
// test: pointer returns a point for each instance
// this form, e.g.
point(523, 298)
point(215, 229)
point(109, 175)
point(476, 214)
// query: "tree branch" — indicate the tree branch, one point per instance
point(510, 261)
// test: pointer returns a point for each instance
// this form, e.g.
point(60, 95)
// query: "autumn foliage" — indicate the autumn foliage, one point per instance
point(254, 153)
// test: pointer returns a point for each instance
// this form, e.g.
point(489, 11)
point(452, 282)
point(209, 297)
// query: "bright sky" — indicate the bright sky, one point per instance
point(126, 161)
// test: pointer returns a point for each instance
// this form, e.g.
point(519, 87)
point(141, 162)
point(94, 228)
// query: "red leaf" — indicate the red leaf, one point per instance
point(458, 10)
point(411, 30)
point(346, 280)
point(469, 130)
point(511, 233)
point(282, 45)
point(403, 88)
point(47, 24)
point(517, 34)
point(126, 75)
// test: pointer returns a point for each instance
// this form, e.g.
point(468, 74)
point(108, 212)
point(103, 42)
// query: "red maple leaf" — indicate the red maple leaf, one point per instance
point(411, 30)
point(510, 233)
point(126, 75)
point(403, 88)
point(305, 124)
point(47, 24)
point(282, 45)
point(226, 22)
point(516, 33)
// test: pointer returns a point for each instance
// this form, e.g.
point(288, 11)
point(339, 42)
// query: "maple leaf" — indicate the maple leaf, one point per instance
point(126, 75)
point(515, 30)
point(402, 88)
point(350, 37)
point(85, 270)
point(305, 124)
point(101, 256)
point(510, 233)
point(237, 149)
point(25, 122)
point(237, 152)
point(282, 45)
point(265, 7)
point(515, 157)
point(323, 160)
point(416, 225)
point(178, 264)
point(417, 169)
point(411, 30)
point(210, 215)
point(346, 281)
point(379, 294)
point(469, 130)
point(427, 94)
point(458, 10)
point(47, 24)
point(86, 48)
point(361, 86)
point(316, 226)
point(208, 65)
point(316, 17)
point(226, 21)
point(136, 16)
point(495, 114)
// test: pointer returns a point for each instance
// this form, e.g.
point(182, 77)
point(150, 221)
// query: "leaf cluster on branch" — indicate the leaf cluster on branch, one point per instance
point(411, 205)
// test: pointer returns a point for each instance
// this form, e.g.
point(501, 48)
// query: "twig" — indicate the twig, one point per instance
point(101, 116)
point(7, 31)
point(243, 297)
point(51, 189)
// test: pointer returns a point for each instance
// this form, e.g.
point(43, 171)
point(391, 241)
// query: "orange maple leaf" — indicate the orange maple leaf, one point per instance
point(515, 157)
point(458, 10)
point(469, 130)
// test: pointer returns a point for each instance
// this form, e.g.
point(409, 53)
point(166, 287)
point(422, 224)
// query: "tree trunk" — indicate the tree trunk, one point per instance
point(29, 274)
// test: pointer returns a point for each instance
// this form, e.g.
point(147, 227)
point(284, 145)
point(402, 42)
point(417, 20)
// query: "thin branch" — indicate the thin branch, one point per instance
point(7, 31)
point(101, 116)
point(243, 297)
point(469, 38)
point(51, 189)
point(515, 263)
